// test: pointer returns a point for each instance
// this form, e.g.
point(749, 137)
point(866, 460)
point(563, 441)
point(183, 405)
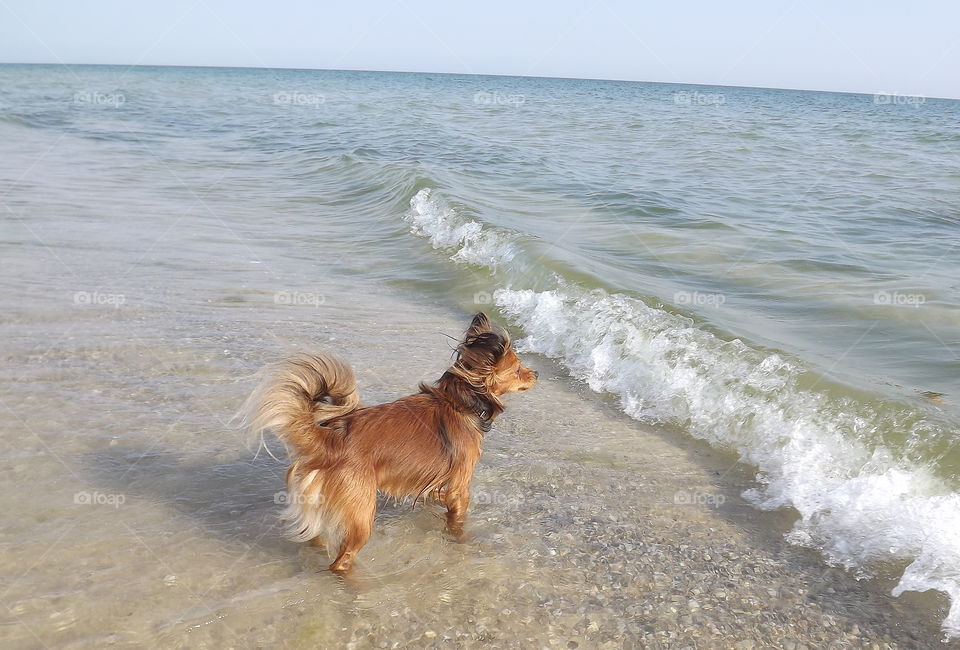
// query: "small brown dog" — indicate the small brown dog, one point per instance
point(344, 454)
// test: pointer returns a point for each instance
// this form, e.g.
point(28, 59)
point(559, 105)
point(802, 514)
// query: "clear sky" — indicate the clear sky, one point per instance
point(893, 46)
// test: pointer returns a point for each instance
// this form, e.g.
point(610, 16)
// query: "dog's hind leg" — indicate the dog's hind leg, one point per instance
point(357, 526)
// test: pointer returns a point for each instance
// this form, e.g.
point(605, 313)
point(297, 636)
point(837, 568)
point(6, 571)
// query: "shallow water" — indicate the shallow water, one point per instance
point(135, 516)
point(774, 274)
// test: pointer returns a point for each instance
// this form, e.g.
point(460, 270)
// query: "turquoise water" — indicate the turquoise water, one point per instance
point(777, 272)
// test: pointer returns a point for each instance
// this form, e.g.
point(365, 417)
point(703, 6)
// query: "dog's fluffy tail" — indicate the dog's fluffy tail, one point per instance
point(298, 394)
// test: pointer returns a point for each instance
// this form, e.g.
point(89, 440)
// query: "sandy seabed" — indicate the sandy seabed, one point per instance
point(135, 516)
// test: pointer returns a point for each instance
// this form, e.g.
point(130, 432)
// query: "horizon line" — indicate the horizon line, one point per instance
point(476, 74)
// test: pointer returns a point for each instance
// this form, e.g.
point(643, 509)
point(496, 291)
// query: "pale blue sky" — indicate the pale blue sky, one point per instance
point(903, 46)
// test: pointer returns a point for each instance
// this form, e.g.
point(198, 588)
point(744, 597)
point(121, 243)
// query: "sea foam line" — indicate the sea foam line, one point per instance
point(858, 504)
point(430, 216)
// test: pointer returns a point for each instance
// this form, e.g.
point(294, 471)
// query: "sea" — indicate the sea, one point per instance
point(773, 272)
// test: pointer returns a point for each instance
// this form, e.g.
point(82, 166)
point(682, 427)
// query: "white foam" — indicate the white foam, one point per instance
point(858, 504)
point(431, 216)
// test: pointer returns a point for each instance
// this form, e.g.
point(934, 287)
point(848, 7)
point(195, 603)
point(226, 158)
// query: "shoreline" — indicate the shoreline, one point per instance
point(717, 562)
point(586, 527)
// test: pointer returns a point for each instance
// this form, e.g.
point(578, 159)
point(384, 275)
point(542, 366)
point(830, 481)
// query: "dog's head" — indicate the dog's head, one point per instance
point(485, 358)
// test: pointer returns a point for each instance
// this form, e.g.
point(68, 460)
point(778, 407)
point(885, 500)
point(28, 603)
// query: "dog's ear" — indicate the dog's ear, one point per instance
point(482, 346)
point(480, 353)
point(479, 325)
point(483, 330)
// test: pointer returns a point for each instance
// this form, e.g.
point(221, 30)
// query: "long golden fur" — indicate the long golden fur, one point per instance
point(344, 454)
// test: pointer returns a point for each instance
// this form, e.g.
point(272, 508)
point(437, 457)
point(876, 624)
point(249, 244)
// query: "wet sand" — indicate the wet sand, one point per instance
point(135, 515)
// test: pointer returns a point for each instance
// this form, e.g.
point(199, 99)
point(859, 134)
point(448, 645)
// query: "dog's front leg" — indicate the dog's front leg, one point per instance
point(456, 499)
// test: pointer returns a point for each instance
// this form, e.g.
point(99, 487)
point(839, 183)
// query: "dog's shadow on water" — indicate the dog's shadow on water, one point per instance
point(236, 501)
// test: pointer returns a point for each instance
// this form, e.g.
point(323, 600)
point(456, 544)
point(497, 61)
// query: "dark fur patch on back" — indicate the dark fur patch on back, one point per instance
point(444, 437)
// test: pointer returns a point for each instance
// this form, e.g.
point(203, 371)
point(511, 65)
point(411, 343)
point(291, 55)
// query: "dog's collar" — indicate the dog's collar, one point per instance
point(486, 422)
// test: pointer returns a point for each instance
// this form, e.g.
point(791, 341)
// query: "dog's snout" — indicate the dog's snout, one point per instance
point(536, 374)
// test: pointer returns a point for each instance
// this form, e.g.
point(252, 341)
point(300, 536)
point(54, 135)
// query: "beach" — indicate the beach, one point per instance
point(731, 443)
point(585, 528)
